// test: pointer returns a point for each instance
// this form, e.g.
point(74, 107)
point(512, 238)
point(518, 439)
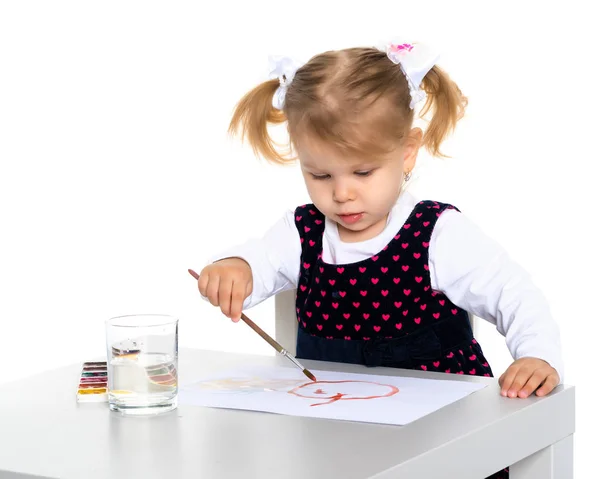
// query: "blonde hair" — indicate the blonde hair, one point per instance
point(335, 97)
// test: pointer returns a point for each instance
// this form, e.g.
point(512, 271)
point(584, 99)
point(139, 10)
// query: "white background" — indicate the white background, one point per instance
point(116, 174)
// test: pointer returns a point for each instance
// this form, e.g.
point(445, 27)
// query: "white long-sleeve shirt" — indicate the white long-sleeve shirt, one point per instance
point(465, 264)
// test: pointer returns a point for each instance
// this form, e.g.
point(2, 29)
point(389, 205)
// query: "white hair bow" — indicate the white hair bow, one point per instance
point(285, 69)
point(415, 60)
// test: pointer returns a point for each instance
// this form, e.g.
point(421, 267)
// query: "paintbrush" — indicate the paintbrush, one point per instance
point(280, 349)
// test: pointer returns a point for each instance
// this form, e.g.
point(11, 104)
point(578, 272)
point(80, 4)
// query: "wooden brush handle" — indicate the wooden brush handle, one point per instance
point(252, 324)
point(264, 335)
point(269, 339)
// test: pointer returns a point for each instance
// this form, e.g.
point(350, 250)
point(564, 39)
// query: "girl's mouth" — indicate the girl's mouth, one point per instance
point(351, 218)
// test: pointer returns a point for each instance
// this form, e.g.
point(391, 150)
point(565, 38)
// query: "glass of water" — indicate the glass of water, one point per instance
point(142, 363)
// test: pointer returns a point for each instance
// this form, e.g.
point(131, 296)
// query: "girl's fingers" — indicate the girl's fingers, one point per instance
point(527, 375)
point(532, 384)
point(520, 380)
point(549, 384)
point(225, 287)
point(212, 290)
point(509, 377)
point(238, 295)
point(203, 284)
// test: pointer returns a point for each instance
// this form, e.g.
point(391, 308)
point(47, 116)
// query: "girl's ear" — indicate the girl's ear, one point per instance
point(410, 148)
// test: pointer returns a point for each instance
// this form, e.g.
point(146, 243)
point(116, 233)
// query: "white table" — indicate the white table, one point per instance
point(45, 433)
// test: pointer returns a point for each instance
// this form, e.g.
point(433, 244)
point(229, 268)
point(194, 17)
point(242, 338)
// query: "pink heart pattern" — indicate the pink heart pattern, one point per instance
point(388, 295)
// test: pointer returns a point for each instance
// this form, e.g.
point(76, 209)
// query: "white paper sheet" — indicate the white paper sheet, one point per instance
point(335, 395)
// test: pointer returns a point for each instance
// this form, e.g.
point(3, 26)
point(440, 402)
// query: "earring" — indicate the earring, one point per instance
point(407, 175)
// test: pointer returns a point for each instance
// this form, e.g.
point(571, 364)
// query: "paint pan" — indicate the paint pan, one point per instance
point(93, 386)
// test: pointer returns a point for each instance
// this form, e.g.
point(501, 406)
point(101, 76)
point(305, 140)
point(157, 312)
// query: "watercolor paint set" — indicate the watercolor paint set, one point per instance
point(93, 382)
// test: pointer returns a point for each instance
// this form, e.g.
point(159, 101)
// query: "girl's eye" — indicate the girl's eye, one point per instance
point(320, 177)
point(363, 173)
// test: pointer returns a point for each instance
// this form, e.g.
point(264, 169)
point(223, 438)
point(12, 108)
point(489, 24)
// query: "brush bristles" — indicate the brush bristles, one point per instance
point(309, 375)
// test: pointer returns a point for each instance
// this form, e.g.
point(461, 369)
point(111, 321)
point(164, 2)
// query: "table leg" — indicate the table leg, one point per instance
point(553, 462)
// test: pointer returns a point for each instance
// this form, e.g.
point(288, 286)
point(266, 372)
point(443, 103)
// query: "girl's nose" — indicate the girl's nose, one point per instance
point(342, 192)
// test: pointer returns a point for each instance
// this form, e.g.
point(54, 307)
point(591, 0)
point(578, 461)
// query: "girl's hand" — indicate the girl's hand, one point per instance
point(525, 375)
point(227, 283)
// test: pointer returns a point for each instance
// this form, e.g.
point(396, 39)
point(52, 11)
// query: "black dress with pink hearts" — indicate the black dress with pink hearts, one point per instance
point(382, 311)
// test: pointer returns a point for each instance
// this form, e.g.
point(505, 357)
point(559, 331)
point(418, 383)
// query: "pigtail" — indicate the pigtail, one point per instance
point(448, 103)
point(252, 116)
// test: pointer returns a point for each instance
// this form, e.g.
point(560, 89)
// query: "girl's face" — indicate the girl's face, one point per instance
point(355, 193)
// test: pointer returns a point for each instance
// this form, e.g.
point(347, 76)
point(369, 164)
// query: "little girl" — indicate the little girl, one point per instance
point(381, 278)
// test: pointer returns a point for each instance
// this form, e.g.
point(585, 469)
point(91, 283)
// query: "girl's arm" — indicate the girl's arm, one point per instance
point(274, 260)
point(478, 275)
